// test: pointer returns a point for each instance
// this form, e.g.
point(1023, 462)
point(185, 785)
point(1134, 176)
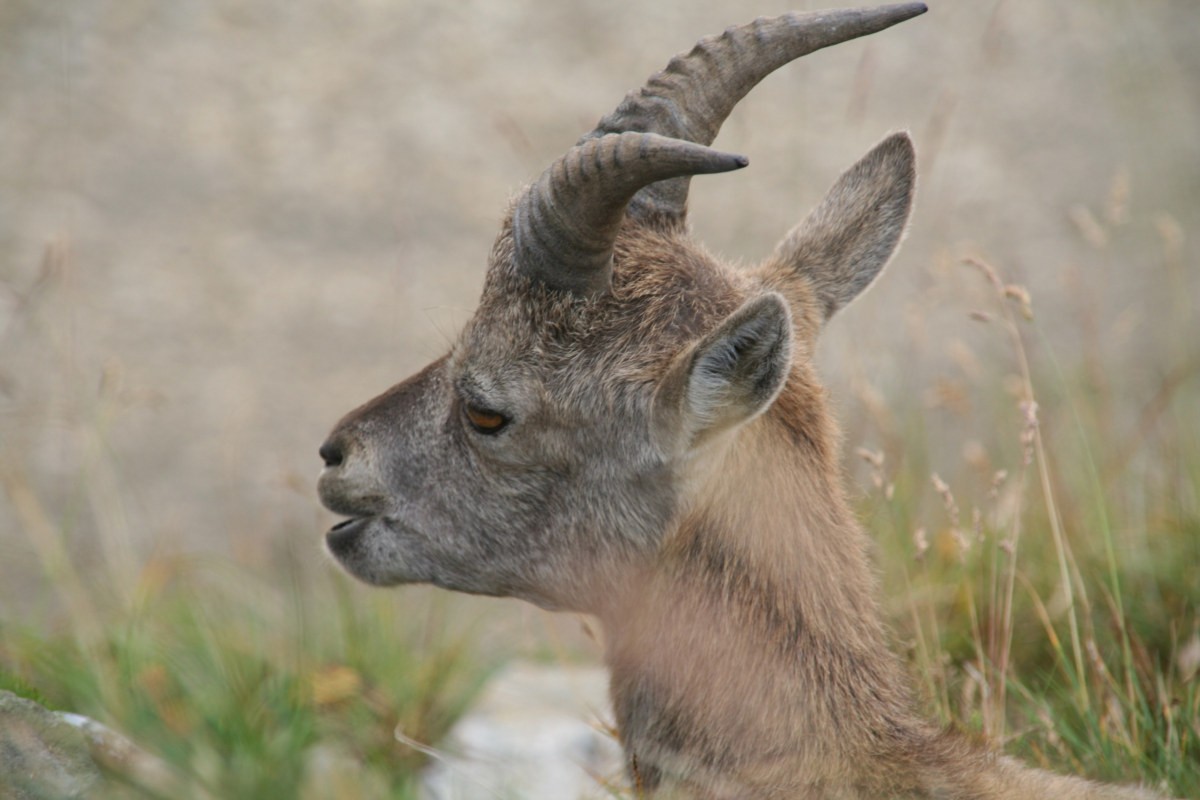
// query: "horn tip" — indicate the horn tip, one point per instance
point(910, 10)
point(724, 162)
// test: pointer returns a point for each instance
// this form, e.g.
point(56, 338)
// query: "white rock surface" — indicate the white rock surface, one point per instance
point(539, 733)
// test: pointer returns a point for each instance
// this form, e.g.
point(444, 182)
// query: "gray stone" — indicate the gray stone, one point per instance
point(538, 732)
point(56, 755)
point(42, 755)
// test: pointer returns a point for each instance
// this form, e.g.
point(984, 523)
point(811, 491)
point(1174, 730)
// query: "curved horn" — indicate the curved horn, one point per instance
point(694, 95)
point(566, 224)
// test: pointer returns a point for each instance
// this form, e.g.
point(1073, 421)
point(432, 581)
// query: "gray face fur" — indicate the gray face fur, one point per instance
point(579, 480)
point(599, 389)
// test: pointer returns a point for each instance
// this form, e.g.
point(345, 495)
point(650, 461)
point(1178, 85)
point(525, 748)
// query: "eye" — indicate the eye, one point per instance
point(482, 419)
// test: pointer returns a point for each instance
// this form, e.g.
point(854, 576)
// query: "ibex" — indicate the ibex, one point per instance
point(628, 428)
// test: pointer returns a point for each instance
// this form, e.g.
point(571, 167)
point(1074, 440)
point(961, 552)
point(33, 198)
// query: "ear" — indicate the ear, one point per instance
point(845, 241)
point(729, 376)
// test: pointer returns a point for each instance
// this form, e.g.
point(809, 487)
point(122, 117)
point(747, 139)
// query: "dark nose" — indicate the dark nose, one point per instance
point(332, 452)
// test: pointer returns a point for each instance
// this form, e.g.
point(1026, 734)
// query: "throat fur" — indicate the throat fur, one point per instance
point(752, 655)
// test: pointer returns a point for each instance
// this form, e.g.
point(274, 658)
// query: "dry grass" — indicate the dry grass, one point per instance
point(1048, 599)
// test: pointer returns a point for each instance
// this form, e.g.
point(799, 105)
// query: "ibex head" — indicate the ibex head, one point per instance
point(611, 360)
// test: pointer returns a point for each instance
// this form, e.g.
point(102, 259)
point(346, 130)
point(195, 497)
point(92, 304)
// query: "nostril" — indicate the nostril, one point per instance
point(331, 452)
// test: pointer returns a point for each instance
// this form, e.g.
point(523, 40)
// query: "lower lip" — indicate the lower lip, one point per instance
point(342, 534)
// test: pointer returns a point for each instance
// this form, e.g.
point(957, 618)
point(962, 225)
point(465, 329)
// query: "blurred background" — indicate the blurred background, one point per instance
point(224, 224)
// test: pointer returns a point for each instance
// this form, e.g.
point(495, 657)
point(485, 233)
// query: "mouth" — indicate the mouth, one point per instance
point(342, 536)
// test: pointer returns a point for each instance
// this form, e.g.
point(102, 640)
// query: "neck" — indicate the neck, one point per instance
point(756, 631)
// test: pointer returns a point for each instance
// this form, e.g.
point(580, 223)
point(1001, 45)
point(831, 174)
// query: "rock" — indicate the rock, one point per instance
point(56, 755)
point(538, 733)
point(118, 755)
point(42, 755)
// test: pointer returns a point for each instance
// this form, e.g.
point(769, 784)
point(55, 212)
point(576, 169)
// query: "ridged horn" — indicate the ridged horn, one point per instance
point(565, 225)
point(695, 94)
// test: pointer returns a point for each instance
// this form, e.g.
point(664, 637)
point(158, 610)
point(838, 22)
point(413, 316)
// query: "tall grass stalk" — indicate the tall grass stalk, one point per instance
point(1008, 295)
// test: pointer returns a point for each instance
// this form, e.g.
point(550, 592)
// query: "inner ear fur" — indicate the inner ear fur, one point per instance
point(731, 375)
point(846, 241)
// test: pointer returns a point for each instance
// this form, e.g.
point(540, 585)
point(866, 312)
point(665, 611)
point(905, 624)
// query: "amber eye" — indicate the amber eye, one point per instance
point(482, 419)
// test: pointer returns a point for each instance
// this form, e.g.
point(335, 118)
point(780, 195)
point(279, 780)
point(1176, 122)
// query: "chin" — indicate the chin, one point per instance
point(358, 546)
